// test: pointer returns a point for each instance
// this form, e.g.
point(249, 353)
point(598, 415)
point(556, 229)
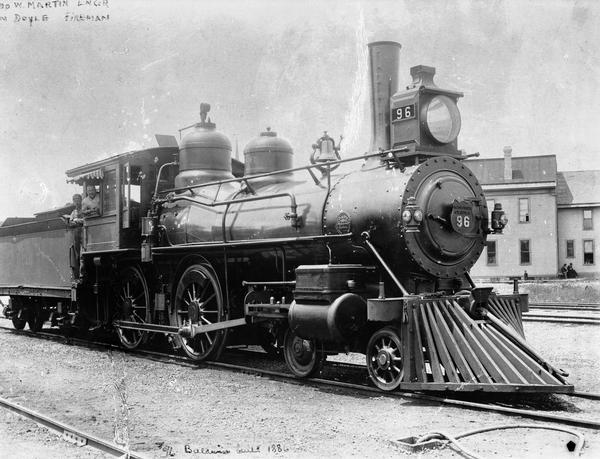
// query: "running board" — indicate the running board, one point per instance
point(443, 348)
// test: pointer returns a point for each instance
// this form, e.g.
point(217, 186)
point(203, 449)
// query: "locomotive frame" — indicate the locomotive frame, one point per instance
point(190, 247)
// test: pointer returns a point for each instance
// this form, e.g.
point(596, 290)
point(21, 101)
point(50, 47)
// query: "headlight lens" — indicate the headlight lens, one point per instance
point(406, 216)
point(503, 219)
point(418, 215)
point(442, 119)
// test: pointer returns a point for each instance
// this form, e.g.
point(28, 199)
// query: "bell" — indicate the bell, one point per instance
point(325, 149)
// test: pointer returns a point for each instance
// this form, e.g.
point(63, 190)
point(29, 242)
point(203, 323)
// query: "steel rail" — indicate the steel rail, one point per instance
point(565, 305)
point(361, 367)
point(564, 308)
point(446, 401)
point(560, 316)
point(319, 382)
point(69, 432)
point(588, 395)
point(559, 321)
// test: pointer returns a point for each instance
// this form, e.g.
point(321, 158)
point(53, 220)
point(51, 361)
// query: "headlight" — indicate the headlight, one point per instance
point(503, 219)
point(418, 215)
point(442, 119)
point(406, 216)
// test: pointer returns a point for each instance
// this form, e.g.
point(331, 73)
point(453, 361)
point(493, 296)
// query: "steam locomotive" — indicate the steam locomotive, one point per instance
point(368, 254)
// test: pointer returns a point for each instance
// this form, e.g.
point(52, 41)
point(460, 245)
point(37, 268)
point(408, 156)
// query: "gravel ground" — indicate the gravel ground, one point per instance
point(164, 410)
point(574, 348)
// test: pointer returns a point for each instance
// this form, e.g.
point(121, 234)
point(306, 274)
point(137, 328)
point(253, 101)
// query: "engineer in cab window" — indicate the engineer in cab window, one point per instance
point(91, 203)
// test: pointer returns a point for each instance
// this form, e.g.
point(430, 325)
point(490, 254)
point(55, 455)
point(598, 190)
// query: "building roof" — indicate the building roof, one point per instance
point(578, 188)
point(525, 169)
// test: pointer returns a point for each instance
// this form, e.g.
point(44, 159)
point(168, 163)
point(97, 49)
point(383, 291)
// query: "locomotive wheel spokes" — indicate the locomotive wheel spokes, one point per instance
point(301, 355)
point(199, 299)
point(384, 359)
point(133, 299)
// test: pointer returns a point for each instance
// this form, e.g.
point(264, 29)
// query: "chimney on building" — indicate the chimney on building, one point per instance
point(507, 163)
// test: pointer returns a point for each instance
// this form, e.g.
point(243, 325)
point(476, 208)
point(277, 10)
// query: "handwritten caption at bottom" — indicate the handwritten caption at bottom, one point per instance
point(192, 450)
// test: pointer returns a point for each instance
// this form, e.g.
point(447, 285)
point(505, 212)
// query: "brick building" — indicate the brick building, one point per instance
point(554, 217)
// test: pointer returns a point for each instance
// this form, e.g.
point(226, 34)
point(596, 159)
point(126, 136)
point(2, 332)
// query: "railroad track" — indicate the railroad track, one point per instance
point(580, 320)
point(549, 305)
point(584, 307)
point(70, 433)
point(329, 383)
point(585, 313)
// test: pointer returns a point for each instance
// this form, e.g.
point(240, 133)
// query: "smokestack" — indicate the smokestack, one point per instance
point(384, 57)
point(507, 163)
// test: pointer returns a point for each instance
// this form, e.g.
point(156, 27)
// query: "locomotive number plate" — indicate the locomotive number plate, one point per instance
point(462, 219)
point(406, 112)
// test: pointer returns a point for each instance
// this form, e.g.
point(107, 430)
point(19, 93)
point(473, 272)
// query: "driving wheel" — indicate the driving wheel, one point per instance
point(133, 302)
point(198, 300)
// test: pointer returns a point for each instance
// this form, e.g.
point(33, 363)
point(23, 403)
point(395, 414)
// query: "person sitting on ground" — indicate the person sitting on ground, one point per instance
point(571, 273)
point(90, 205)
point(563, 271)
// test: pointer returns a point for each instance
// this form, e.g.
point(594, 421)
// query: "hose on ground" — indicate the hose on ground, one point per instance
point(438, 435)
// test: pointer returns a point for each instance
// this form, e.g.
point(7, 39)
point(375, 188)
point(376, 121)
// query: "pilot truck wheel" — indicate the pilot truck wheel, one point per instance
point(384, 359)
point(301, 355)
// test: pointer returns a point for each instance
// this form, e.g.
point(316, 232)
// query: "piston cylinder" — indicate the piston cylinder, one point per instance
point(327, 306)
point(337, 322)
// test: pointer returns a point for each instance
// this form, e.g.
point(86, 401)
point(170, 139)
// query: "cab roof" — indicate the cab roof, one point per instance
point(95, 170)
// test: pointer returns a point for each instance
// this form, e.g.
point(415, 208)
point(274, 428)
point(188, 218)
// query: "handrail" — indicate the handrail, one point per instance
point(253, 242)
point(381, 154)
point(173, 163)
point(293, 215)
point(366, 236)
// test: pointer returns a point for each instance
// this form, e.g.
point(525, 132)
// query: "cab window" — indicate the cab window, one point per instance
point(109, 188)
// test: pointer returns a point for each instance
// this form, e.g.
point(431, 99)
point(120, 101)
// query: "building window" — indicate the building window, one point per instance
point(491, 252)
point(587, 219)
point(525, 251)
point(524, 210)
point(588, 252)
point(570, 248)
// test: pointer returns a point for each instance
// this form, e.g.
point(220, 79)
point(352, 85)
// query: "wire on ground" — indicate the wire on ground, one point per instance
point(433, 439)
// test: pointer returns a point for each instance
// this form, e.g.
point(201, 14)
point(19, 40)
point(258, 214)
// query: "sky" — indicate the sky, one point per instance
point(72, 92)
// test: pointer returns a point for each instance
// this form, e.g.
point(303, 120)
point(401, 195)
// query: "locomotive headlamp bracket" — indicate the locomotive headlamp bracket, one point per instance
point(499, 219)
